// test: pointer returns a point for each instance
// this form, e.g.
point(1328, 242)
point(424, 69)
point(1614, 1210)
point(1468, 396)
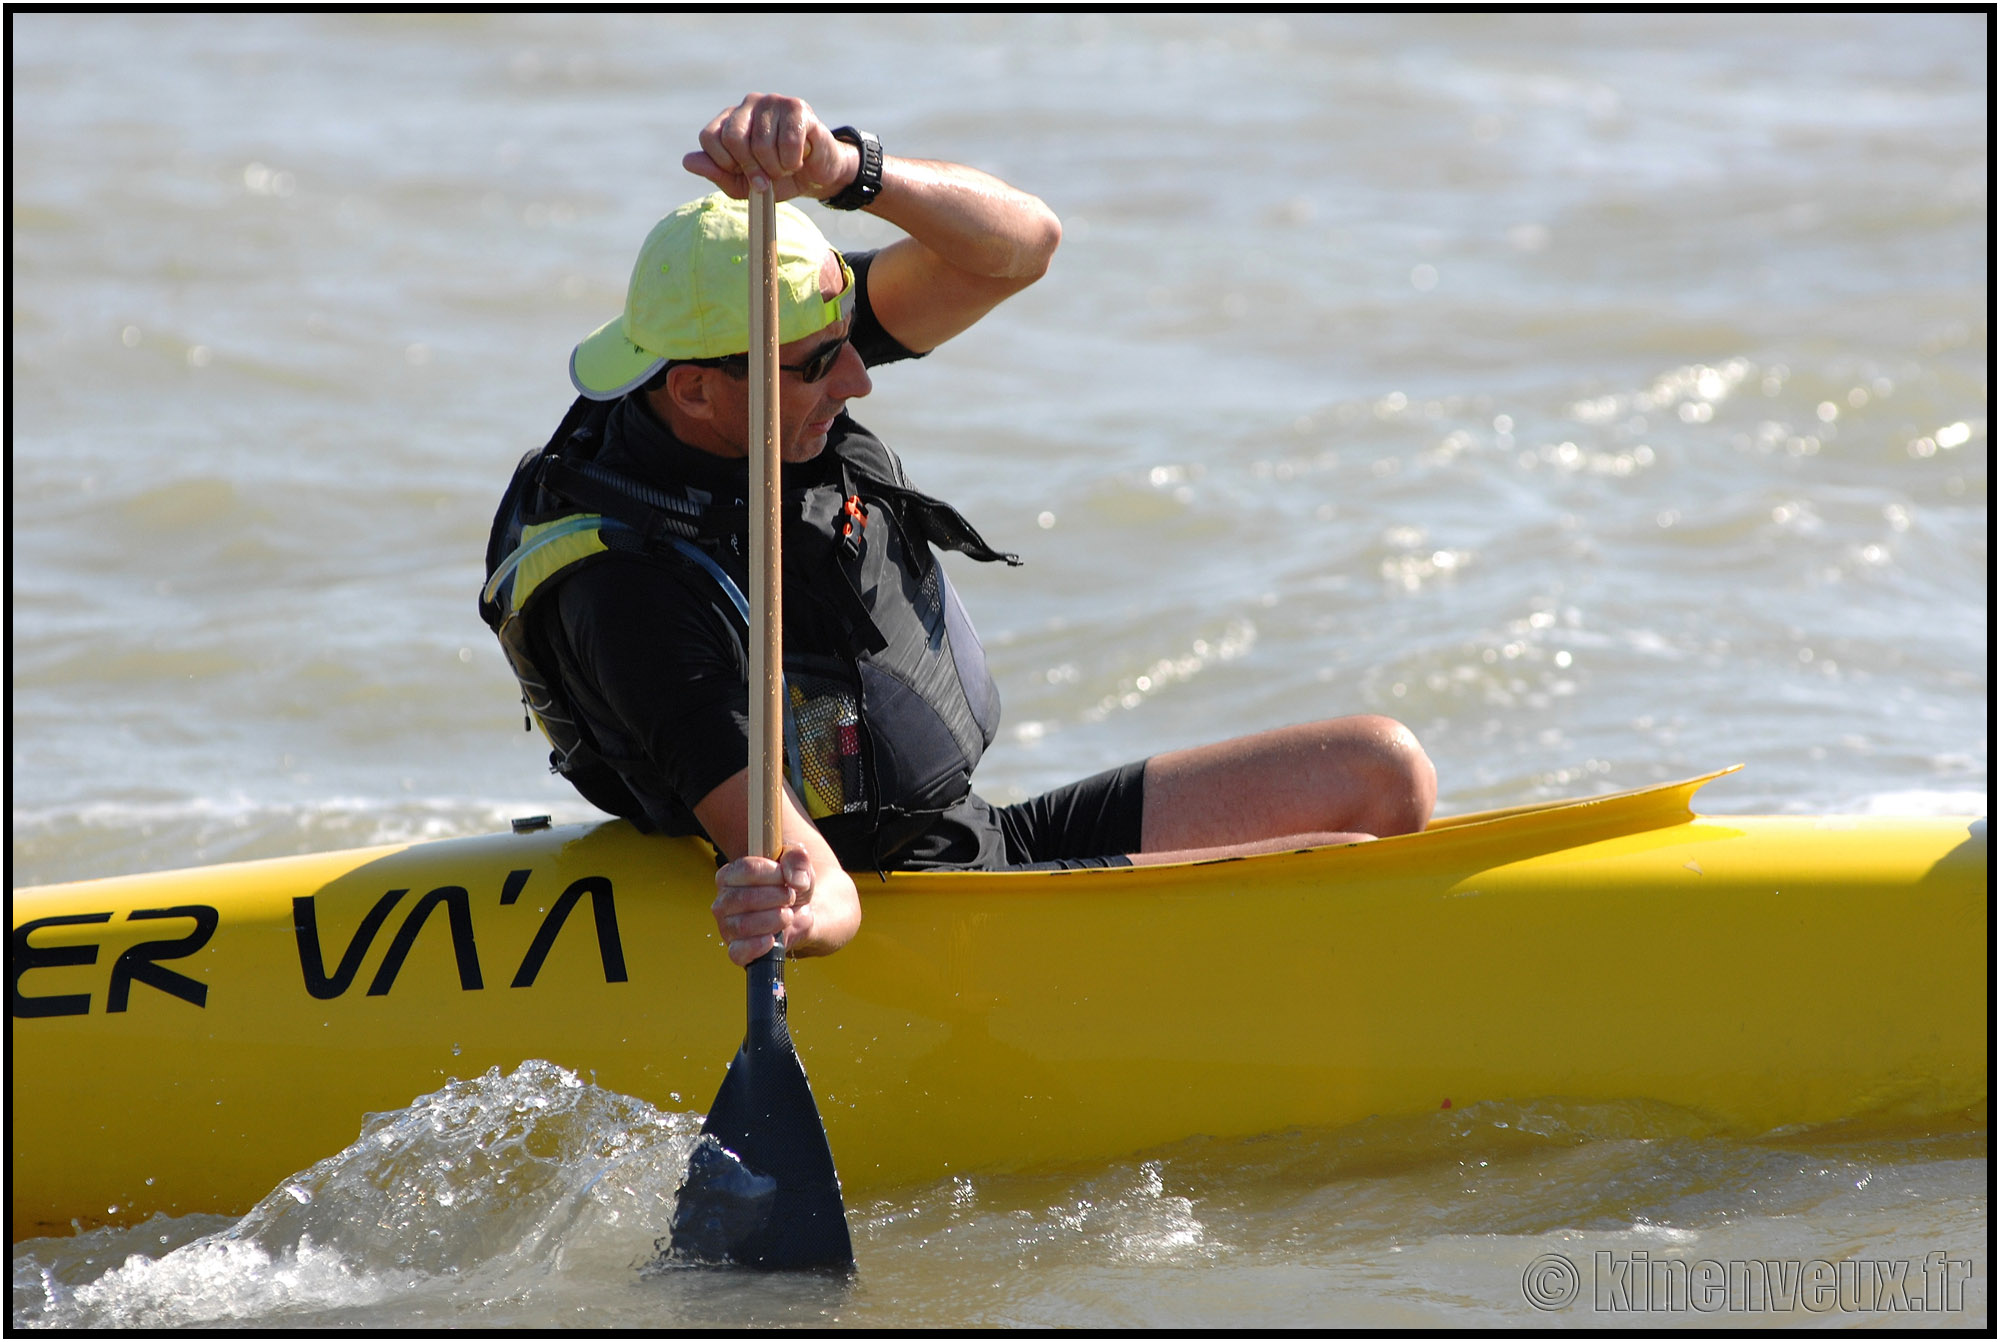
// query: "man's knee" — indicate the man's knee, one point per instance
point(1402, 779)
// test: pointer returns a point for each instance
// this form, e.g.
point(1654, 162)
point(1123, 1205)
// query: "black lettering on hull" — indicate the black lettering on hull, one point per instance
point(22, 957)
point(140, 962)
point(305, 926)
point(610, 950)
point(458, 908)
point(136, 964)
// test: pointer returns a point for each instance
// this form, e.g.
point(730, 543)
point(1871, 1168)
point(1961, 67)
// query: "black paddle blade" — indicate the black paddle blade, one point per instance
point(761, 1188)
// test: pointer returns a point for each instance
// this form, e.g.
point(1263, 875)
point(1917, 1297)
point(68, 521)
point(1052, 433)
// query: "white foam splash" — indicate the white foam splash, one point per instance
point(535, 1172)
point(1140, 1223)
point(218, 1279)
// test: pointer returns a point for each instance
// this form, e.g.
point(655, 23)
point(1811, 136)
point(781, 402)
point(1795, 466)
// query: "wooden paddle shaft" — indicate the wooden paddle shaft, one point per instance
point(767, 731)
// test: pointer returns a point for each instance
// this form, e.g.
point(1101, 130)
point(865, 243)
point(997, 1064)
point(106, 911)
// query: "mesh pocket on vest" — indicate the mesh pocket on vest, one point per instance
point(829, 728)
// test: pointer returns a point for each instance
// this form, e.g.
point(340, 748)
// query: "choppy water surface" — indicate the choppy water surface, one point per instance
point(538, 1199)
point(1604, 397)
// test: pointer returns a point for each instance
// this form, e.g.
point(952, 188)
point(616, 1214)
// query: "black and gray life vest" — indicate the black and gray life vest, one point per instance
point(882, 730)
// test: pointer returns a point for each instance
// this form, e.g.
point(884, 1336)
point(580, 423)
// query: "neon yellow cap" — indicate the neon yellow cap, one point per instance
point(690, 295)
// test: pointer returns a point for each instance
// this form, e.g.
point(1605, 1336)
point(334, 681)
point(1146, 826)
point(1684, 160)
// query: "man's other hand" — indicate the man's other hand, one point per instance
point(779, 138)
point(758, 900)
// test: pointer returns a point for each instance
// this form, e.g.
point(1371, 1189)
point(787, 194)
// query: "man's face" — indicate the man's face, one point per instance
point(806, 410)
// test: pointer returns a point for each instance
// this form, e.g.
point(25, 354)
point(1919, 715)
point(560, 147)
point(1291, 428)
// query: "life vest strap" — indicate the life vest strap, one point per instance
point(653, 513)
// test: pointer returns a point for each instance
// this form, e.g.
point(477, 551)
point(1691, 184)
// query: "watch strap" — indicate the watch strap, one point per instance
point(867, 183)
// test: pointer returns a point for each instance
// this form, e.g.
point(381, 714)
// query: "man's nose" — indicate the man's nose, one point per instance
point(849, 377)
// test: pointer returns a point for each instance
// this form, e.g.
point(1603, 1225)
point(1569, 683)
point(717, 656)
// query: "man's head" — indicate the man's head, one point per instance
point(686, 327)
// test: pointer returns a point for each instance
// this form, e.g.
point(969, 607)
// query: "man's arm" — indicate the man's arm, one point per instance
point(806, 897)
point(972, 239)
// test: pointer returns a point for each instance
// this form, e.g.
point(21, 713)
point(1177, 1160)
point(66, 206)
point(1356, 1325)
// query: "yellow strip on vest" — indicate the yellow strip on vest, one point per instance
point(543, 556)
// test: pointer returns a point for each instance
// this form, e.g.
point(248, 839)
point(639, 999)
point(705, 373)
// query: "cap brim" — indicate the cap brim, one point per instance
point(605, 364)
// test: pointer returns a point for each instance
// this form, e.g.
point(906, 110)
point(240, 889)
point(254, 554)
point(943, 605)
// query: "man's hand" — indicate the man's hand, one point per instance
point(781, 139)
point(758, 900)
point(805, 897)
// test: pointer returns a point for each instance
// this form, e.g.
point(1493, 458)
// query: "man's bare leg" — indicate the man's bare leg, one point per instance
point(1343, 780)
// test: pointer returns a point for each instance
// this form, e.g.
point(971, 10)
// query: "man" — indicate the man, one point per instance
point(617, 561)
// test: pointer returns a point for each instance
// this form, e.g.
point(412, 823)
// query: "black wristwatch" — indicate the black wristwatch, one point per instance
point(867, 183)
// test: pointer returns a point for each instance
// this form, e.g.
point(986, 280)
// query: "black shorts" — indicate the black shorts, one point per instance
point(1093, 822)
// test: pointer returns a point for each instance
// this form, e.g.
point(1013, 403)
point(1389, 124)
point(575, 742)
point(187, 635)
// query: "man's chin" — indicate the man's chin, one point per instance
point(806, 448)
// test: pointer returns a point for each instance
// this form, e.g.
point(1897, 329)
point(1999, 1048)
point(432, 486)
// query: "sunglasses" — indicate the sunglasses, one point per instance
point(815, 368)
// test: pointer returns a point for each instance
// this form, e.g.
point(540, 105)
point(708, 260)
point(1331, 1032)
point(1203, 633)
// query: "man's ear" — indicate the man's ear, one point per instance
point(686, 391)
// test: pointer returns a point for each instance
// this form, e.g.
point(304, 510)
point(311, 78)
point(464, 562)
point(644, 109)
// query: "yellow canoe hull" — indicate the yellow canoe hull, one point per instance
point(1756, 971)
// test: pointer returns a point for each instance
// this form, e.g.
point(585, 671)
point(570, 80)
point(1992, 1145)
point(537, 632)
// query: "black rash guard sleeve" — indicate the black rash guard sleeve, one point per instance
point(667, 666)
point(870, 339)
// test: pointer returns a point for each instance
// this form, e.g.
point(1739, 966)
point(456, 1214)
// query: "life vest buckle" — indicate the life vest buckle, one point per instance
point(856, 512)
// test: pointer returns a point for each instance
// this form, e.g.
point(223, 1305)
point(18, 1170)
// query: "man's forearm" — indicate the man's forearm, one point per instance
point(973, 221)
point(970, 240)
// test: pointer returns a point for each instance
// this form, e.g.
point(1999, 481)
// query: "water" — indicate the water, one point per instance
point(537, 1199)
point(1605, 397)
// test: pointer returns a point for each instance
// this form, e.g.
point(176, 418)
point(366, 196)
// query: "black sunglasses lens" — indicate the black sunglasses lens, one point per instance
point(822, 360)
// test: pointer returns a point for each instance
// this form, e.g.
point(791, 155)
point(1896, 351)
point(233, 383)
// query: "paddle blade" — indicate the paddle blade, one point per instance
point(721, 1205)
point(761, 1188)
